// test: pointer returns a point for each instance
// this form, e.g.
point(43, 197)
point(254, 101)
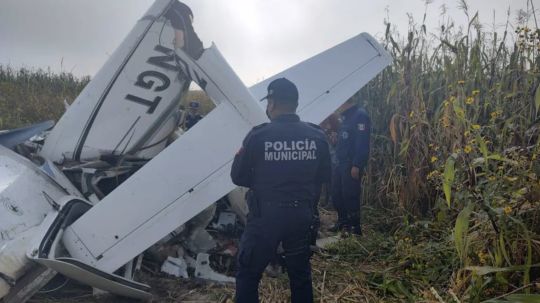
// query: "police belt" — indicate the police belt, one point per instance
point(288, 204)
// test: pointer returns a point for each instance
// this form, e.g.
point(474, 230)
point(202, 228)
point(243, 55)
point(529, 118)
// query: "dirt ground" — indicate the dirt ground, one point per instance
point(166, 289)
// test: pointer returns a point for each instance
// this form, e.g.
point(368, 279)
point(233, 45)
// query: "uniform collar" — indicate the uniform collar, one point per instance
point(286, 118)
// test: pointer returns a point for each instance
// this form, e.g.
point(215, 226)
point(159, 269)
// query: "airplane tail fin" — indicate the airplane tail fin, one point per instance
point(130, 103)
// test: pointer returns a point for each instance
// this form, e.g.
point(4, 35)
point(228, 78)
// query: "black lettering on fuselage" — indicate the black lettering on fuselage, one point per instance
point(164, 61)
point(169, 61)
point(148, 84)
point(191, 73)
point(151, 104)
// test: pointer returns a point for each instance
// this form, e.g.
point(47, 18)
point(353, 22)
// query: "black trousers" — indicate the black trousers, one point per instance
point(346, 196)
point(261, 237)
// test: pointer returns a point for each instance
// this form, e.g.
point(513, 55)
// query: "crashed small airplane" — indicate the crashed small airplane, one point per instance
point(114, 176)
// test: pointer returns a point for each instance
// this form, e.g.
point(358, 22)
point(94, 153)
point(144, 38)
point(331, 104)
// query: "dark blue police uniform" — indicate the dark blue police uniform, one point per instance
point(192, 119)
point(284, 164)
point(352, 149)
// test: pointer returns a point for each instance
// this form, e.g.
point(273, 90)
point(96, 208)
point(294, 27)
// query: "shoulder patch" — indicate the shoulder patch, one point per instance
point(361, 126)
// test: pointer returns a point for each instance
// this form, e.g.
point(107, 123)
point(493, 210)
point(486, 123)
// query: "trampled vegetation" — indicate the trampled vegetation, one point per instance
point(452, 195)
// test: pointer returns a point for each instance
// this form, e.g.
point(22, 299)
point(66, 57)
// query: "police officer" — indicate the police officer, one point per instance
point(352, 152)
point(193, 115)
point(284, 163)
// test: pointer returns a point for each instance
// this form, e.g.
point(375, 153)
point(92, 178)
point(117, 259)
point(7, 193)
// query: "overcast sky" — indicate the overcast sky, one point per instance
point(258, 37)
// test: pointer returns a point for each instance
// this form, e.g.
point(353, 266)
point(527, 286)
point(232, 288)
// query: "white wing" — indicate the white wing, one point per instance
point(330, 78)
point(177, 184)
point(193, 172)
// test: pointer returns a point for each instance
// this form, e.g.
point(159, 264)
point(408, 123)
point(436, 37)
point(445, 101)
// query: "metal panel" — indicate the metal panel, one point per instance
point(87, 275)
point(176, 185)
point(193, 172)
point(128, 99)
point(328, 79)
point(22, 206)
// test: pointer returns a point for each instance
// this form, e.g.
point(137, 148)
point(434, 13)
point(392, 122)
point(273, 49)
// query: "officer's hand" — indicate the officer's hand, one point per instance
point(355, 173)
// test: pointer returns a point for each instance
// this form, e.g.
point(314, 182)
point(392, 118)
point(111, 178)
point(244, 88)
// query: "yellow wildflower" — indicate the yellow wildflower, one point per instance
point(432, 175)
point(411, 114)
point(466, 133)
point(482, 257)
point(446, 103)
point(467, 149)
point(475, 92)
point(434, 159)
point(476, 126)
point(507, 210)
point(494, 115)
point(469, 100)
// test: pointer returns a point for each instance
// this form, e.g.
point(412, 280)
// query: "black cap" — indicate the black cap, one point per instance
point(283, 90)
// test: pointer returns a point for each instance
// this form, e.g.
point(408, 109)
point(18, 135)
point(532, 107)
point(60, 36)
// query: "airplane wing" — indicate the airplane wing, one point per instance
point(130, 102)
point(330, 78)
point(178, 183)
point(193, 172)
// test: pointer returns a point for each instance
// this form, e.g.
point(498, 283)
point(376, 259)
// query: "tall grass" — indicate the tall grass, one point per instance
point(456, 121)
point(29, 96)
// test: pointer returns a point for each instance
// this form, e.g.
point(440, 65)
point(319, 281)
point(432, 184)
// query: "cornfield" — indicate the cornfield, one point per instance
point(30, 96)
point(451, 202)
point(455, 158)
